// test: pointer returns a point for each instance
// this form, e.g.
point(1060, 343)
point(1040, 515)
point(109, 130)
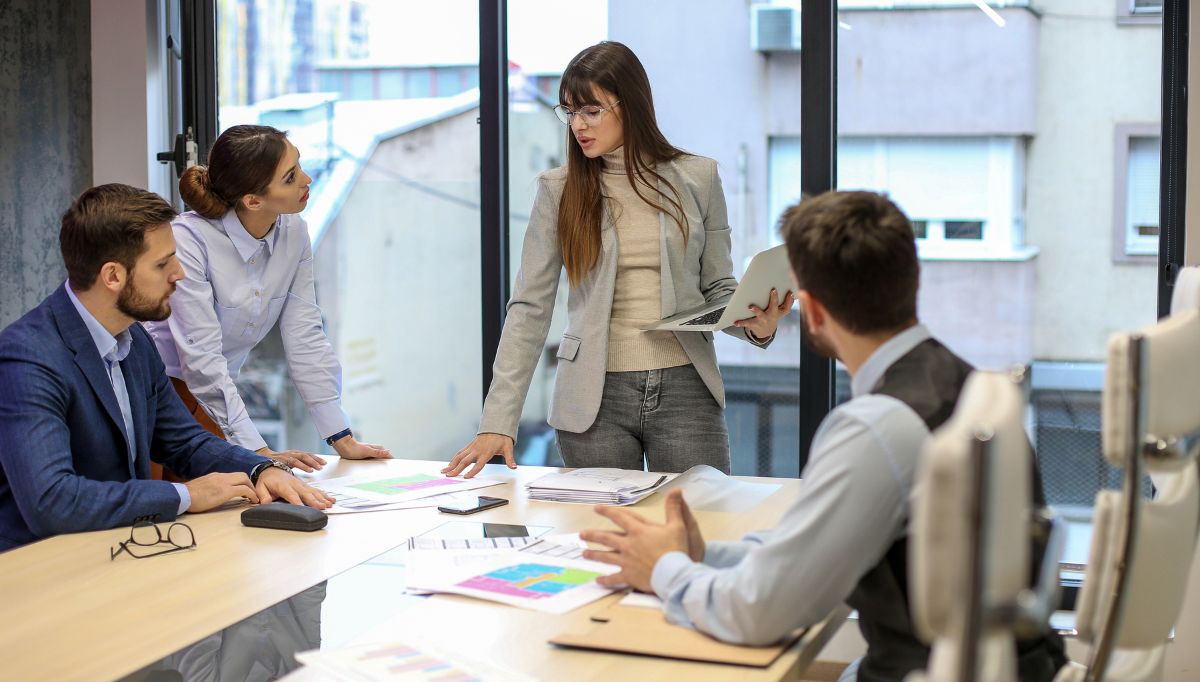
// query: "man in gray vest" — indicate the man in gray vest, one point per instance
point(855, 264)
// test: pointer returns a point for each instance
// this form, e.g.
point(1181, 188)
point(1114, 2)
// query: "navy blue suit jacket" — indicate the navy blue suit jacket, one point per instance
point(64, 464)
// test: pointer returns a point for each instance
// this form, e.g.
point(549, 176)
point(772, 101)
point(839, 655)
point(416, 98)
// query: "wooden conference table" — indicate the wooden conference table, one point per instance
point(72, 613)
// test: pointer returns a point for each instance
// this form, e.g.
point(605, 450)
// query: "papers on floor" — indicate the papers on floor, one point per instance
point(378, 493)
point(549, 576)
point(598, 486)
point(410, 660)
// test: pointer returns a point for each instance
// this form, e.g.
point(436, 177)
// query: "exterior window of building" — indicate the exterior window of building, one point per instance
point(1133, 12)
point(992, 142)
point(963, 229)
point(391, 84)
point(1142, 201)
point(963, 188)
point(1146, 6)
point(362, 85)
point(420, 83)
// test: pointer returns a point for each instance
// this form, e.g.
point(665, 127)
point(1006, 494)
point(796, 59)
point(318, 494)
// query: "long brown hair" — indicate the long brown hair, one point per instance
point(242, 161)
point(613, 67)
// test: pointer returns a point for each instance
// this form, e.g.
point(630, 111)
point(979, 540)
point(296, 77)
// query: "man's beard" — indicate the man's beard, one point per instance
point(815, 344)
point(131, 302)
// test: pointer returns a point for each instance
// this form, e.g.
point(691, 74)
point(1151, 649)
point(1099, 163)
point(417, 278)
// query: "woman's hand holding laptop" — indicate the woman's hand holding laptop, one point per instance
point(764, 323)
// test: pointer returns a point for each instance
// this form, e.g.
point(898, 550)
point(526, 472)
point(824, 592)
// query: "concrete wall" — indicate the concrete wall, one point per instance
point(45, 141)
point(937, 72)
point(1095, 74)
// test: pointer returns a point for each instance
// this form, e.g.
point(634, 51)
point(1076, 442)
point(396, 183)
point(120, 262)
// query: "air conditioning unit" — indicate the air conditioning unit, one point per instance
point(774, 28)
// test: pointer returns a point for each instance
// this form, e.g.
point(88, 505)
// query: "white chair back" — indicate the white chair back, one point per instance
point(969, 539)
point(1141, 553)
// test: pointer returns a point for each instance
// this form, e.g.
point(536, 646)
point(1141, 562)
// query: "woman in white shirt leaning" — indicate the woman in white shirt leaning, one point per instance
point(248, 262)
point(640, 227)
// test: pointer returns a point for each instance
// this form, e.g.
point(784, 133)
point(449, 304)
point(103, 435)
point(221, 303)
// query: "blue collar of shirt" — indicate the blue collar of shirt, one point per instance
point(243, 241)
point(111, 348)
point(896, 347)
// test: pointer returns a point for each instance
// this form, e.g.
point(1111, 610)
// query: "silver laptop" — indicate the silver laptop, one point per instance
point(768, 270)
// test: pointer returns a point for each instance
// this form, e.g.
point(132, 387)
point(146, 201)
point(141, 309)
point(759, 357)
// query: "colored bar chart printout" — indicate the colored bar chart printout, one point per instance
point(530, 581)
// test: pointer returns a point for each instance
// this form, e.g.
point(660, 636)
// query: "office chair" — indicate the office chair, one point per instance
point(970, 537)
point(1142, 550)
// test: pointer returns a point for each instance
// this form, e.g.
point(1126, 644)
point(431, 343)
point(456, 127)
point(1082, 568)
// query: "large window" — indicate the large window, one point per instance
point(994, 131)
point(1023, 143)
point(393, 147)
point(716, 94)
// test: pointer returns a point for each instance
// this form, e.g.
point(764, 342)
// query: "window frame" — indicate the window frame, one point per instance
point(1122, 134)
point(1127, 17)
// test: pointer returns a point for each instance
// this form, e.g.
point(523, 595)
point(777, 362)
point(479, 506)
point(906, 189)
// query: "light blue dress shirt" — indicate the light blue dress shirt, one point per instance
point(853, 505)
point(236, 289)
point(113, 350)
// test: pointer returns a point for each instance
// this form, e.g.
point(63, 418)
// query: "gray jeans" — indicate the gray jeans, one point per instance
point(668, 415)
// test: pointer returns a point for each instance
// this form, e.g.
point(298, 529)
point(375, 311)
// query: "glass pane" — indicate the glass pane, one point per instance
point(394, 214)
point(718, 97)
point(981, 126)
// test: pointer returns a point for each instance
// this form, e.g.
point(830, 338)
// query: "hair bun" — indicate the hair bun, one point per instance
point(196, 190)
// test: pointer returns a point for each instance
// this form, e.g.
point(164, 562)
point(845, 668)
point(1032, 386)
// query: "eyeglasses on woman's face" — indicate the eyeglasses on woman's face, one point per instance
point(591, 114)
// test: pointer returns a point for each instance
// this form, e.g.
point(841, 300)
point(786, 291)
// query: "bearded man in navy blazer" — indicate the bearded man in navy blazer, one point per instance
point(85, 404)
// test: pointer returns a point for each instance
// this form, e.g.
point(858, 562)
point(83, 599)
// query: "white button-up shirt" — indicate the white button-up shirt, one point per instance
point(236, 289)
point(853, 506)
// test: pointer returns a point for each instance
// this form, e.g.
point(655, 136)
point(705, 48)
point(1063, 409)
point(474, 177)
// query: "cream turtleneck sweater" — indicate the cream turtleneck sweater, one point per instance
point(637, 297)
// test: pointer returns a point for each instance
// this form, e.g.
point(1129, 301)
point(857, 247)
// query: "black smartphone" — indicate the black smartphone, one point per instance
point(474, 504)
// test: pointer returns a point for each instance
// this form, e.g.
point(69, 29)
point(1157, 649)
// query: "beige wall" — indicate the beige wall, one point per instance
point(1094, 75)
point(982, 310)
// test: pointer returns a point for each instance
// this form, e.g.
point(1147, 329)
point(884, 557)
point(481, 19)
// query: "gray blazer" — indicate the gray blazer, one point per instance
point(700, 272)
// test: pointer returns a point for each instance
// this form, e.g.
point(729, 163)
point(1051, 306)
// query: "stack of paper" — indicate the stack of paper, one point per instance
point(598, 486)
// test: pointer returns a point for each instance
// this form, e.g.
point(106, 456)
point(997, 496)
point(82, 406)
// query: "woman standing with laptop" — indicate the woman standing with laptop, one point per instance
point(248, 263)
point(640, 227)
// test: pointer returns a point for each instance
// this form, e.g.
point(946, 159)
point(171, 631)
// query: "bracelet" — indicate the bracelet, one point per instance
point(338, 436)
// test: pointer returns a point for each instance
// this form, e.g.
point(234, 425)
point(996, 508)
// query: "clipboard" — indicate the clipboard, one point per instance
point(633, 630)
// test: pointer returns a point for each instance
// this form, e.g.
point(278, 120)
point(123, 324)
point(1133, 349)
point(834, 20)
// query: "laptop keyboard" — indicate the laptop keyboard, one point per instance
point(708, 318)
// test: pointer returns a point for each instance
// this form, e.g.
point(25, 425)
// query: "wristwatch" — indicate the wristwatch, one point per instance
point(338, 436)
point(259, 468)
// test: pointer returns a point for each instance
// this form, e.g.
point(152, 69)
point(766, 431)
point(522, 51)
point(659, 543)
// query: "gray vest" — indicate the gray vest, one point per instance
point(928, 379)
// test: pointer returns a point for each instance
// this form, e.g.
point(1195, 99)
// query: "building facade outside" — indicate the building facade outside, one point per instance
point(1022, 143)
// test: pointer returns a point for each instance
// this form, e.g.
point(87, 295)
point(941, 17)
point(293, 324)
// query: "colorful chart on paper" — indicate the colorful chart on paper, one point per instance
point(530, 581)
point(405, 484)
